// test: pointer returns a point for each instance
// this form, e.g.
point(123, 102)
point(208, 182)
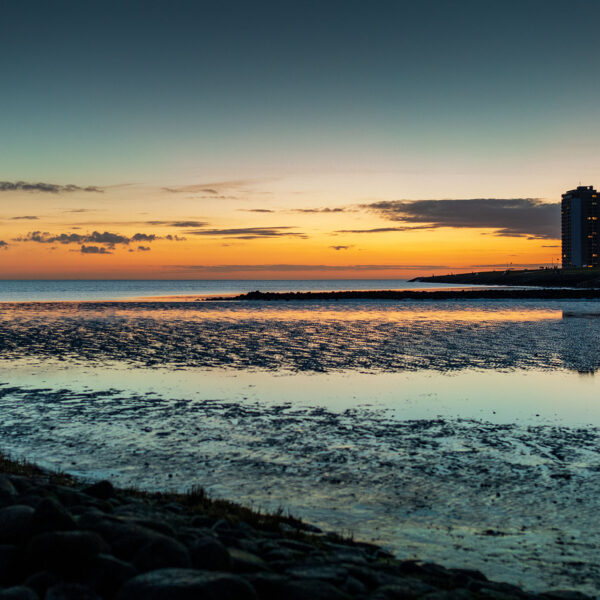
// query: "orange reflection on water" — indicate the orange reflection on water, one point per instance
point(284, 311)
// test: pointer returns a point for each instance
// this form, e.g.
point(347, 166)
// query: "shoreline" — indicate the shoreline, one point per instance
point(61, 535)
point(582, 277)
point(468, 294)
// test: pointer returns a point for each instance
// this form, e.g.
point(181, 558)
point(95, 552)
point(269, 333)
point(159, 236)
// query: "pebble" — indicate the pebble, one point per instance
point(98, 543)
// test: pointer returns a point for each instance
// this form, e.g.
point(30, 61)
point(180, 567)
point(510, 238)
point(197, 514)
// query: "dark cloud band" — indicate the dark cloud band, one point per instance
point(512, 217)
point(105, 238)
point(49, 188)
point(249, 233)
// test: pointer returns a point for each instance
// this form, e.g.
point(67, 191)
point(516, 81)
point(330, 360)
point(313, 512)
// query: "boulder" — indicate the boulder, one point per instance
point(7, 489)
point(313, 589)
point(161, 552)
point(106, 574)
point(103, 490)
point(19, 592)
point(245, 562)
point(50, 515)
point(186, 584)
point(64, 551)
point(41, 581)
point(209, 554)
point(71, 591)
point(15, 522)
point(8, 563)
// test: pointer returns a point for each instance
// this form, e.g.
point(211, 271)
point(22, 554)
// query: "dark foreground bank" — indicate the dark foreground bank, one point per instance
point(581, 277)
point(63, 540)
point(472, 294)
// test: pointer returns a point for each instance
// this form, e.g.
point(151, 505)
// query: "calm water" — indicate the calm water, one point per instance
point(464, 432)
point(30, 291)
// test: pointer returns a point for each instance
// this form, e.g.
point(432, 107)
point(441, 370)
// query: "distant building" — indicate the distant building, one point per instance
point(579, 214)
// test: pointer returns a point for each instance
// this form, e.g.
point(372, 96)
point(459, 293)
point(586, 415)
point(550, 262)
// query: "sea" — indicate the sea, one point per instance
point(464, 432)
point(119, 289)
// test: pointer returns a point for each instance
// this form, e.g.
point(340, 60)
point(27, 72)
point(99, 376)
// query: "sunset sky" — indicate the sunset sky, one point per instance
point(291, 139)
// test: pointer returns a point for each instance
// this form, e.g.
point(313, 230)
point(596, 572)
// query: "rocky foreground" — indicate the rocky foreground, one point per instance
point(63, 540)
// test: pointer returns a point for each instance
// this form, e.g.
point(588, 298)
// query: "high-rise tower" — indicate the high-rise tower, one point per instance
point(579, 215)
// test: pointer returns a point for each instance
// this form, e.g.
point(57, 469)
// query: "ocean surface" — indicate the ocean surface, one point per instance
point(116, 289)
point(462, 432)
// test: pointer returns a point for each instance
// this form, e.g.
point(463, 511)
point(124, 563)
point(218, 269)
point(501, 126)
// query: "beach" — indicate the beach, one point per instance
point(440, 431)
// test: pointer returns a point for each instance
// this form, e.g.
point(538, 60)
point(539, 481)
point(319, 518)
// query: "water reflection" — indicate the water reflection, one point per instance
point(320, 337)
point(424, 463)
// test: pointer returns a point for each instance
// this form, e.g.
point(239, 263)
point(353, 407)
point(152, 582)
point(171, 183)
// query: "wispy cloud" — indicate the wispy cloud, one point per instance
point(94, 250)
point(143, 248)
point(341, 247)
point(24, 218)
point(376, 230)
point(249, 233)
point(298, 268)
point(188, 224)
point(3, 245)
point(50, 188)
point(337, 209)
point(325, 210)
point(213, 188)
point(511, 217)
point(105, 238)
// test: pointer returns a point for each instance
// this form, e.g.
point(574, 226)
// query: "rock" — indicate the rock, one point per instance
point(19, 592)
point(64, 551)
point(221, 525)
point(405, 590)
point(203, 521)
point(50, 515)
point(71, 591)
point(158, 526)
point(335, 575)
point(32, 500)
point(162, 552)
point(40, 582)
point(7, 489)
point(372, 578)
point(501, 591)
point(281, 556)
point(186, 584)
point(103, 490)
point(8, 563)
point(491, 594)
point(209, 554)
point(67, 495)
point(14, 523)
point(106, 574)
point(244, 562)
point(268, 586)
point(457, 594)
point(354, 587)
point(564, 595)
point(313, 589)
point(296, 546)
point(125, 538)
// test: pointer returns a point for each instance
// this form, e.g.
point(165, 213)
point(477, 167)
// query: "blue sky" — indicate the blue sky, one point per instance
point(285, 107)
point(106, 90)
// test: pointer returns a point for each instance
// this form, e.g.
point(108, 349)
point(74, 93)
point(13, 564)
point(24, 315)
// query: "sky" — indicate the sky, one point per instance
point(291, 139)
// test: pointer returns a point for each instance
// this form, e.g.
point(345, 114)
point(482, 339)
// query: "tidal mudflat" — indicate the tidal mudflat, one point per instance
point(460, 432)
